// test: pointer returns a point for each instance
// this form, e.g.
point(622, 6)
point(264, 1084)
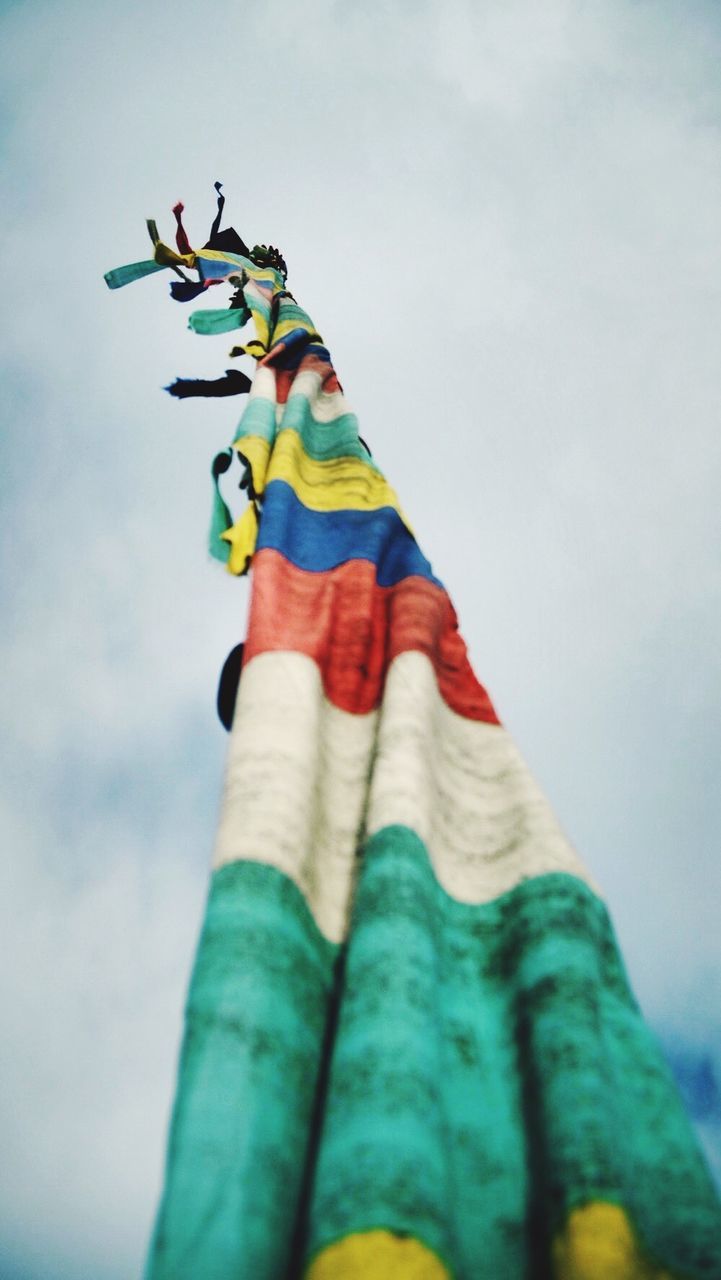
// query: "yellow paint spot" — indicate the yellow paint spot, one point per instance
point(598, 1243)
point(377, 1255)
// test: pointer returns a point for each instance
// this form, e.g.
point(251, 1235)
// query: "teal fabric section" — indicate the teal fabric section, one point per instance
point(259, 300)
point(221, 321)
point(258, 420)
point(490, 1072)
point(256, 1020)
point(464, 1074)
point(133, 271)
point(259, 306)
point(290, 311)
point(321, 440)
point(220, 520)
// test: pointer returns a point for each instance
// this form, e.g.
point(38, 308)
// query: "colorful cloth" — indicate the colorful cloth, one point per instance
point(411, 1050)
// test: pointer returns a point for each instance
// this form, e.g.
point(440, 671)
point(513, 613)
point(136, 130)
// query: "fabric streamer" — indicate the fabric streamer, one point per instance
point(411, 1050)
point(234, 383)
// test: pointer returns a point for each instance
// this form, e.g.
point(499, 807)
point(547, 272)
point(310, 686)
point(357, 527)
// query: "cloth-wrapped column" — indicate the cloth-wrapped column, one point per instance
point(411, 1051)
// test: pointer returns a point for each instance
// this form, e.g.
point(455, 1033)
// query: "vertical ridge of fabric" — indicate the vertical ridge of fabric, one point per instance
point(491, 1080)
point(251, 1056)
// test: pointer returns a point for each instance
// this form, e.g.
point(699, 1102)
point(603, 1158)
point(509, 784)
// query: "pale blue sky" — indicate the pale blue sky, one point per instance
point(504, 219)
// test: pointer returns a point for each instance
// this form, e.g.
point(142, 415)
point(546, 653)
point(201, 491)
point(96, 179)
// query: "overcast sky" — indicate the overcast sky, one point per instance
point(504, 218)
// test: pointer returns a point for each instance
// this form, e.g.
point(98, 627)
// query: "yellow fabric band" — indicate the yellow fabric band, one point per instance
point(598, 1243)
point(377, 1255)
point(256, 451)
point(167, 257)
point(337, 484)
point(242, 538)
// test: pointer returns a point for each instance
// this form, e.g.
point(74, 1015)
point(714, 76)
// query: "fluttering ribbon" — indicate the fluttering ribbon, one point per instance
point(258, 277)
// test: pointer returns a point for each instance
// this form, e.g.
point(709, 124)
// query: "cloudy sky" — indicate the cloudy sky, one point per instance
point(504, 217)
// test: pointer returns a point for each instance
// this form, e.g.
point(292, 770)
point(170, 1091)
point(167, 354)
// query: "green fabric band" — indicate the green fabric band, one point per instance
point(133, 271)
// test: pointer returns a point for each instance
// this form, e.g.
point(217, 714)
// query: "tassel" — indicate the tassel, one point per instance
point(227, 241)
point(221, 205)
point(181, 238)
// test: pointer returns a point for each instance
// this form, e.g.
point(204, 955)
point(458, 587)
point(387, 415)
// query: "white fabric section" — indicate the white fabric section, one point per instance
point(464, 788)
point(306, 781)
point(296, 783)
point(307, 383)
point(325, 406)
point(263, 384)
